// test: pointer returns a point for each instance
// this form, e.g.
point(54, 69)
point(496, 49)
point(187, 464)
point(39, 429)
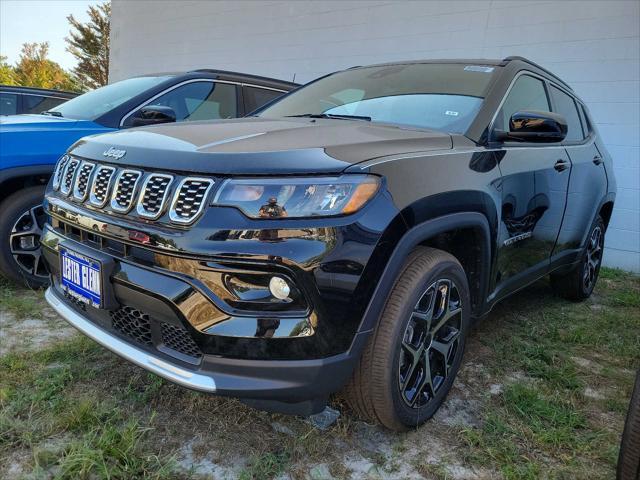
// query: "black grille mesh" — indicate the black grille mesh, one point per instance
point(190, 197)
point(155, 193)
point(125, 188)
point(178, 339)
point(133, 324)
point(82, 181)
point(69, 173)
point(137, 325)
point(100, 188)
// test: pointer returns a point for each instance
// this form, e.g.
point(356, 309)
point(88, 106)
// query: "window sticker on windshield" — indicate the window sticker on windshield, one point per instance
point(478, 68)
point(451, 113)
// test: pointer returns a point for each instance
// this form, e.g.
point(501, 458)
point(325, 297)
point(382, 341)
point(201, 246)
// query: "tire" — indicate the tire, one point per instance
point(385, 386)
point(22, 217)
point(629, 459)
point(578, 284)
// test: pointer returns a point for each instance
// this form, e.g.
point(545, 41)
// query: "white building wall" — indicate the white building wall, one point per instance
point(593, 45)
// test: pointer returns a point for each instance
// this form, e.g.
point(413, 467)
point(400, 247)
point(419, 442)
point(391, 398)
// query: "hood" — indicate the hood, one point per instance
point(259, 146)
point(39, 139)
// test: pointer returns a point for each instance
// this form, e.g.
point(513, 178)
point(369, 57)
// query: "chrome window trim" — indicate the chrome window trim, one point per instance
point(193, 80)
point(114, 204)
point(76, 195)
point(57, 174)
point(92, 198)
point(140, 207)
point(173, 216)
point(64, 175)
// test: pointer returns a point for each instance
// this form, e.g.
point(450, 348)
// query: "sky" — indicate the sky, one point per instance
point(24, 21)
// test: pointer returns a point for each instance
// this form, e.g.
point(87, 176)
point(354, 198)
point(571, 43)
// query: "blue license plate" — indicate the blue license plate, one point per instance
point(81, 277)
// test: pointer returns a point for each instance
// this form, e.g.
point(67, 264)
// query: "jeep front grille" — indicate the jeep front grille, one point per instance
point(81, 187)
point(152, 199)
point(189, 199)
point(100, 188)
point(57, 174)
point(124, 190)
point(68, 176)
point(118, 190)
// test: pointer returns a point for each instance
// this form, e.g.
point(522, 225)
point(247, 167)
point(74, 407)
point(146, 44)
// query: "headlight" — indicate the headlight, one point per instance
point(298, 197)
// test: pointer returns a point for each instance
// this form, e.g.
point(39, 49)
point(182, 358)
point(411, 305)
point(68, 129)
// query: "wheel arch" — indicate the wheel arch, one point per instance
point(429, 233)
point(15, 179)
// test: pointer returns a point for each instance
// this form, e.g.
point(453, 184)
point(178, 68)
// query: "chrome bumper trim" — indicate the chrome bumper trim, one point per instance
point(141, 358)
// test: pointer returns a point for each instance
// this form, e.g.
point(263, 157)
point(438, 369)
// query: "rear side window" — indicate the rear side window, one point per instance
point(254, 98)
point(8, 103)
point(527, 93)
point(565, 105)
point(39, 103)
point(586, 122)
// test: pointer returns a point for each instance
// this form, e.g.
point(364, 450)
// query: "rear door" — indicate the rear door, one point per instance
point(534, 185)
point(588, 183)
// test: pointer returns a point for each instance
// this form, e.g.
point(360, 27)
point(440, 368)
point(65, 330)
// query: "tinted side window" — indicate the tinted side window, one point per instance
point(527, 93)
point(256, 97)
point(586, 122)
point(200, 101)
point(566, 106)
point(39, 103)
point(8, 103)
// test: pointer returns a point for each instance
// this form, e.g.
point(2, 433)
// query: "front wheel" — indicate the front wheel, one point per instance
point(412, 358)
point(21, 221)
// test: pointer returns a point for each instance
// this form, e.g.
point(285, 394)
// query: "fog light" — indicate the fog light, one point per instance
point(279, 288)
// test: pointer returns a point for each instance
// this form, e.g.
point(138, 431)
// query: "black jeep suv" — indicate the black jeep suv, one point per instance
point(345, 236)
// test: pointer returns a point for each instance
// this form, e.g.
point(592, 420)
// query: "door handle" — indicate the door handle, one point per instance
point(597, 160)
point(561, 165)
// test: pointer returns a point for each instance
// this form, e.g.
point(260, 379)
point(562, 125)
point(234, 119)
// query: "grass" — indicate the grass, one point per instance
point(20, 303)
point(70, 409)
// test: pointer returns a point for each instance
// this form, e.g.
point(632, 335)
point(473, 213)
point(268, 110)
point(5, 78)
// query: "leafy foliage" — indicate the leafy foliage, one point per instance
point(89, 44)
point(35, 69)
point(7, 75)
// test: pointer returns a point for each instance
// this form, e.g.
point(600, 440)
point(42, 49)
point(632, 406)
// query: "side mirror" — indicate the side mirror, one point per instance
point(535, 127)
point(154, 114)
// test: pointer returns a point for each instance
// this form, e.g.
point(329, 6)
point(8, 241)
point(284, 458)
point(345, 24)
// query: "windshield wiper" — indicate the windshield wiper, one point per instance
point(333, 115)
point(52, 113)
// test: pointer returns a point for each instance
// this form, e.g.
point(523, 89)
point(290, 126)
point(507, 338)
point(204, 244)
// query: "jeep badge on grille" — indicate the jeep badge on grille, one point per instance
point(114, 153)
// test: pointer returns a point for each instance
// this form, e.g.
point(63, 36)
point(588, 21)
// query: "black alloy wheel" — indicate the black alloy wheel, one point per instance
point(430, 343)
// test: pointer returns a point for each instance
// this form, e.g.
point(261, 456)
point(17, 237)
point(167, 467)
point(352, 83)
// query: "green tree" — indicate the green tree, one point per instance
point(89, 43)
point(7, 74)
point(34, 69)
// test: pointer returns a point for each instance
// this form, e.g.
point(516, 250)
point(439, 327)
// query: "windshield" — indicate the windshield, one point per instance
point(443, 97)
point(97, 102)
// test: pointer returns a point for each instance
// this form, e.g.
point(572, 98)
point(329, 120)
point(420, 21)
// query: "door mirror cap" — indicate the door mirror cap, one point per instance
point(534, 127)
point(153, 115)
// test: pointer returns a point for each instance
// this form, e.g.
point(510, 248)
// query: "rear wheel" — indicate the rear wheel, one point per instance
point(412, 358)
point(579, 283)
point(21, 224)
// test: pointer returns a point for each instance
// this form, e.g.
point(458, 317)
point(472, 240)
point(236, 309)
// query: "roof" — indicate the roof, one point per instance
point(43, 91)
point(474, 61)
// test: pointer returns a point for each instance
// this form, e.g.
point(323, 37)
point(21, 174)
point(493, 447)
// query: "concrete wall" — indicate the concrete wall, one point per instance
point(593, 45)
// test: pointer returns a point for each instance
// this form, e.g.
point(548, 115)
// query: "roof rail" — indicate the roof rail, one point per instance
point(526, 60)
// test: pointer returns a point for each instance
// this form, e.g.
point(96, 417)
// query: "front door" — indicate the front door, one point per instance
point(534, 185)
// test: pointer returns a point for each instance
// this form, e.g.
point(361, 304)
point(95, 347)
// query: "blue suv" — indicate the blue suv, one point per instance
point(31, 144)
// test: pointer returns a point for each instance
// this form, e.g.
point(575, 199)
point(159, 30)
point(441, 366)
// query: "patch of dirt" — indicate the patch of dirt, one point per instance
point(32, 333)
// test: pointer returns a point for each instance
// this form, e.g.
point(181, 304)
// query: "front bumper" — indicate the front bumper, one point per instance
point(175, 282)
